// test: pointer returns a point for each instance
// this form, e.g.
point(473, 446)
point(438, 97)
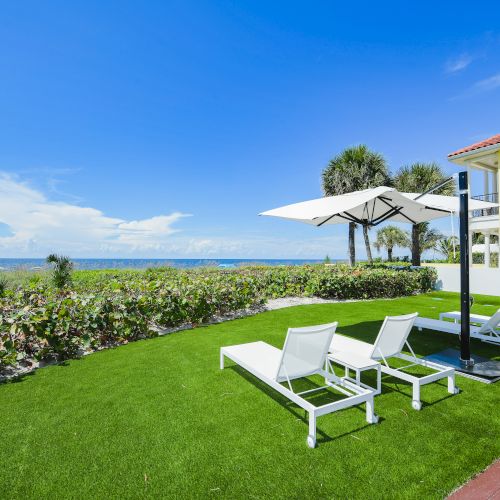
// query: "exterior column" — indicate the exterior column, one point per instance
point(486, 184)
point(487, 250)
point(498, 254)
point(496, 189)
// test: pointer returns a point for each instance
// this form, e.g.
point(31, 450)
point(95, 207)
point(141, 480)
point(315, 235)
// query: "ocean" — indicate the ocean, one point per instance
point(27, 264)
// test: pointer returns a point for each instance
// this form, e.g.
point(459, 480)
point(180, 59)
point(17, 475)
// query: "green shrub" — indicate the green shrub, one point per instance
point(40, 320)
point(478, 258)
point(4, 283)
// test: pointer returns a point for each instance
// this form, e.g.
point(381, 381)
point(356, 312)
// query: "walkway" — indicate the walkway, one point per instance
point(485, 486)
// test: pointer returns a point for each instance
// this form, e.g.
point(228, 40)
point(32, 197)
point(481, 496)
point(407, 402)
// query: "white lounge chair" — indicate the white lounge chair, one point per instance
point(487, 331)
point(304, 354)
point(392, 337)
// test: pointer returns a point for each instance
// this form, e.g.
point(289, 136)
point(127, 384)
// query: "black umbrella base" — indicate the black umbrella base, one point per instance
point(484, 369)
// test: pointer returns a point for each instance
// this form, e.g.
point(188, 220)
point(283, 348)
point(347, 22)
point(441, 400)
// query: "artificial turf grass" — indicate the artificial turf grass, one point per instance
point(157, 418)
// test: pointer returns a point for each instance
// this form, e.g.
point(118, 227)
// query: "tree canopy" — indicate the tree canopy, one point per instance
point(389, 237)
point(354, 169)
point(418, 178)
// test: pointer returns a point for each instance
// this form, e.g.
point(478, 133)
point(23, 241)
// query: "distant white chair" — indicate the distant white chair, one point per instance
point(304, 354)
point(487, 331)
point(392, 337)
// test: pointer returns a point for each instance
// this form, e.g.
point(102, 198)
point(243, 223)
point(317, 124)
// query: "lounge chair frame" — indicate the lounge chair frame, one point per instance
point(356, 395)
point(486, 332)
point(440, 371)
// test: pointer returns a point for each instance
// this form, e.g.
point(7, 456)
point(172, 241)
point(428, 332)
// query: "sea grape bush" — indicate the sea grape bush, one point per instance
point(104, 308)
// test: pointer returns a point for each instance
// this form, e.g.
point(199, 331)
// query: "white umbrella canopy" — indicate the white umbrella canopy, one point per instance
point(449, 203)
point(372, 206)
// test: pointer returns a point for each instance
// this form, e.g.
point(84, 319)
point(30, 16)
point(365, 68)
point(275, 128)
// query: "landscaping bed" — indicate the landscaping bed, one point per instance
point(105, 308)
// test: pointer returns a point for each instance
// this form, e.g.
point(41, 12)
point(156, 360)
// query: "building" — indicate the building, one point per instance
point(483, 159)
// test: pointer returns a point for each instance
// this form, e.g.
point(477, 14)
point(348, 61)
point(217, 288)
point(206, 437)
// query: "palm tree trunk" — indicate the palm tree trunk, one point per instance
point(367, 244)
point(389, 254)
point(415, 245)
point(352, 247)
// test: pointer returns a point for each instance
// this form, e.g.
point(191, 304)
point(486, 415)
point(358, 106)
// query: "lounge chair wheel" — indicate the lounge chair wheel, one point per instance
point(311, 441)
point(375, 419)
point(416, 405)
point(456, 390)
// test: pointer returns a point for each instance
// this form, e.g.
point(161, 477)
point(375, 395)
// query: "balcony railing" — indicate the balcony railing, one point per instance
point(492, 198)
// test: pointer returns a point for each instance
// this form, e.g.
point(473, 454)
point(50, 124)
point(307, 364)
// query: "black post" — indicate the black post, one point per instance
point(464, 271)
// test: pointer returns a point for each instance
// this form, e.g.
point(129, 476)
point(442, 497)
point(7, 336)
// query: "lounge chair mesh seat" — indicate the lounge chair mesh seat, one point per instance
point(304, 353)
point(392, 337)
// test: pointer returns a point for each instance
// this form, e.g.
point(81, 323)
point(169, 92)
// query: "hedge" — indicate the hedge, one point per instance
point(110, 307)
point(478, 258)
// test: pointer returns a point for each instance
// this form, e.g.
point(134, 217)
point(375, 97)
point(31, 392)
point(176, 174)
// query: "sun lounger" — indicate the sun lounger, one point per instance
point(456, 316)
point(392, 337)
point(304, 354)
point(488, 331)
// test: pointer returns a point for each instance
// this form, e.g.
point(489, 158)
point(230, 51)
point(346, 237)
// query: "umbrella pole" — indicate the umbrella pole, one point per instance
point(481, 369)
point(463, 190)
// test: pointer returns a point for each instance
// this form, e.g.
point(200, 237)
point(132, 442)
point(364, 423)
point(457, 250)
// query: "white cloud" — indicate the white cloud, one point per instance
point(491, 83)
point(458, 64)
point(32, 225)
point(38, 226)
point(147, 231)
point(275, 247)
point(481, 86)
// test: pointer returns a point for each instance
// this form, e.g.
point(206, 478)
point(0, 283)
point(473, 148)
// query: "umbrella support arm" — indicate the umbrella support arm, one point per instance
point(346, 215)
point(438, 185)
point(393, 210)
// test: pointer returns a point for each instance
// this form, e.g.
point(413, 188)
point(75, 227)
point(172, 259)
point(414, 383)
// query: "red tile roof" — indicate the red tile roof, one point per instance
point(478, 145)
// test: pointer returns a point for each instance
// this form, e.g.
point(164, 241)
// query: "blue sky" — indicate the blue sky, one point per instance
point(161, 129)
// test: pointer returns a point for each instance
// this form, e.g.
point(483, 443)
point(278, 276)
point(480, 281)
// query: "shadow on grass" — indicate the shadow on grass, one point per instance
point(398, 383)
point(423, 342)
point(15, 379)
point(299, 413)
point(392, 384)
point(21, 377)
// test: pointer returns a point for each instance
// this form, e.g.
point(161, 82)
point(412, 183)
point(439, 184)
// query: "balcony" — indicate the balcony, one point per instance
point(492, 198)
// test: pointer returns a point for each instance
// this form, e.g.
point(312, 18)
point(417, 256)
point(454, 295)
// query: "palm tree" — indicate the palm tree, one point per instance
point(354, 169)
point(61, 271)
point(418, 178)
point(389, 237)
point(429, 237)
point(449, 248)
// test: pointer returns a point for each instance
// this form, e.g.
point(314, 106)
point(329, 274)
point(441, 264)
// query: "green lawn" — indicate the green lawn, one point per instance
point(157, 418)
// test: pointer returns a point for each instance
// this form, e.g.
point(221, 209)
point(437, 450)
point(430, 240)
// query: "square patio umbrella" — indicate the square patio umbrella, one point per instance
point(376, 205)
point(372, 207)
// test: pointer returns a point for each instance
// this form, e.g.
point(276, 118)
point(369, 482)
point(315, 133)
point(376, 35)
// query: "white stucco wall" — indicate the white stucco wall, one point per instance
point(482, 280)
